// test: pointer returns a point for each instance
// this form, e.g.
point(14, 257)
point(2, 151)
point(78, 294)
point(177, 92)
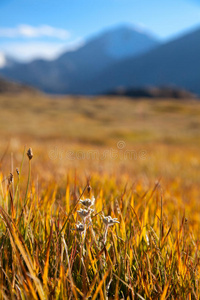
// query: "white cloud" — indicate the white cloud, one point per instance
point(27, 31)
point(2, 60)
point(27, 51)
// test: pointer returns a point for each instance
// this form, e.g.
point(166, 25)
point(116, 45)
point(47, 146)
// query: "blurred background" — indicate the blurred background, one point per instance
point(102, 47)
point(108, 85)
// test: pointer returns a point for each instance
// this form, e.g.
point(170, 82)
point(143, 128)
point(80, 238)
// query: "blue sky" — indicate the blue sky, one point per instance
point(44, 28)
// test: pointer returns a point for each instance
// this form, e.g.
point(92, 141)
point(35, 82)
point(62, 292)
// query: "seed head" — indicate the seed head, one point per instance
point(10, 178)
point(30, 153)
point(89, 189)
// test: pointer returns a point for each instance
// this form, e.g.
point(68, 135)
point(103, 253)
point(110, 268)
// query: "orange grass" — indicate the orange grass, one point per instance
point(153, 253)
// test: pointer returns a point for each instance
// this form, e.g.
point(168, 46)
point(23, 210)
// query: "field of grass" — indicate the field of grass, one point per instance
point(140, 159)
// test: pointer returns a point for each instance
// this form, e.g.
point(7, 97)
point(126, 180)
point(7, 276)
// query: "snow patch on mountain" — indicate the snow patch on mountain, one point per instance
point(128, 41)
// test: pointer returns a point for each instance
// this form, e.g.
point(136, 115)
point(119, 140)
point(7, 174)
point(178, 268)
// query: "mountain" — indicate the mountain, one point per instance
point(70, 71)
point(173, 64)
point(10, 87)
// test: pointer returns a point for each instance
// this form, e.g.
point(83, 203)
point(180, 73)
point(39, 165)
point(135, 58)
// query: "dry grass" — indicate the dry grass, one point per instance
point(153, 253)
point(100, 120)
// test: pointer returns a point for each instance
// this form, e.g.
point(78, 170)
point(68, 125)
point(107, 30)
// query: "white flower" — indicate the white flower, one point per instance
point(87, 202)
point(84, 213)
point(80, 227)
point(109, 221)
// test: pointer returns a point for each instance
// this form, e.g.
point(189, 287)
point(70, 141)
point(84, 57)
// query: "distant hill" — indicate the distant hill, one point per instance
point(13, 87)
point(175, 64)
point(153, 92)
point(70, 71)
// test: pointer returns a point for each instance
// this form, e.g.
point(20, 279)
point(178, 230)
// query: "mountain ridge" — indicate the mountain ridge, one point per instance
point(174, 64)
point(94, 69)
point(69, 71)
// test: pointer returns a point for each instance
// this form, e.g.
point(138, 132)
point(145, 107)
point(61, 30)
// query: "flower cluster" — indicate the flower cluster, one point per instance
point(109, 221)
point(80, 227)
point(85, 214)
point(87, 202)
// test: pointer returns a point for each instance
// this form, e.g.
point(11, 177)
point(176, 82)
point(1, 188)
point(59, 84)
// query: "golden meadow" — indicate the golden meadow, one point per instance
point(139, 159)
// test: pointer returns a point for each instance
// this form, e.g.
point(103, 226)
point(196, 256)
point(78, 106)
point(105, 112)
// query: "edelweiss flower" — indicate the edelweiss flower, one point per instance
point(80, 227)
point(109, 221)
point(84, 212)
point(87, 202)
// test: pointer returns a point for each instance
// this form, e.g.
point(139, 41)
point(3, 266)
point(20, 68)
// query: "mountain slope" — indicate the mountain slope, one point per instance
point(68, 73)
point(176, 63)
point(13, 87)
